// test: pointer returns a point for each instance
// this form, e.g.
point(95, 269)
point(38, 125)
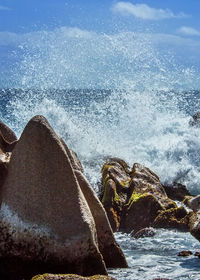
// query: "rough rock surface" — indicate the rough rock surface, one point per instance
point(177, 191)
point(195, 225)
point(46, 222)
point(174, 218)
point(194, 203)
point(70, 277)
point(145, 232)
point(110, 250)
point(132, 199)
point(8, 139)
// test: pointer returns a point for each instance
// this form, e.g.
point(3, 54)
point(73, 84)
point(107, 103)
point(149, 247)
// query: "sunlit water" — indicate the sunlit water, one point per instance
point(136, 104)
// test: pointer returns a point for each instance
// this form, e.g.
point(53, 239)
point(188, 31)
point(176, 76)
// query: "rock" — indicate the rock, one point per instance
point(145, 232)
point(146, 198)
point(46, 223)
point(195, 225)
point(7, 133)
point(70, 277)
point(141, 211)
point(195, 120)
point(194, 203)
point(177, 191)
point(162, 279)
point(8, 139)
point(115, 185)
point(110, 250)
point(175, 218)
point(132, 199)
point(197, 254)
point(184, 254)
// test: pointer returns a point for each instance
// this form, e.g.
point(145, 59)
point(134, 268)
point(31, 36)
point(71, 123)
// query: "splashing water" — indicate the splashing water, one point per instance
point(111, 95)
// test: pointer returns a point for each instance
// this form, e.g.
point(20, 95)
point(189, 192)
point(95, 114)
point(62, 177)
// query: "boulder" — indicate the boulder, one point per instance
point(145, 232)
point(174, 218)
point(46, 223)
point(115, 188)
point(70, 277)
point(110, 250)
point(194, 203)
point(8, 139)
point(195, 225)
point(177, 191)
point(132, 199)
point(195, 120)
point(184, 254)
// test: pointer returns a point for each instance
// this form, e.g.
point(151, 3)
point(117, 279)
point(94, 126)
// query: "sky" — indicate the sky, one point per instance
point(171, 24)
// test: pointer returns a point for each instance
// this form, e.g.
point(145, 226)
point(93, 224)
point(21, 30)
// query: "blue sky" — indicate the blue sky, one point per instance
point(104, 15)
point(171, 25)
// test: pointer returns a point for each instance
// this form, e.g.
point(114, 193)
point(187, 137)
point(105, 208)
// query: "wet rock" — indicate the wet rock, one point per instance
point(115, 184)
point(162, 279)
point(195, 225)
point(145, 232)
point(133, 198)
point(177, 191)
point(70, 277)
point(142, 209)
point(195, 120)
point(46, 223)
point(8, 139)
point(175, 218)
point(194, 203)
point(197, 254)
point(184, 254)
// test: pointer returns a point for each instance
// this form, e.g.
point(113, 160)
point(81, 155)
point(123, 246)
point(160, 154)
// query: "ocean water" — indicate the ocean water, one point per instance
point(115, 95)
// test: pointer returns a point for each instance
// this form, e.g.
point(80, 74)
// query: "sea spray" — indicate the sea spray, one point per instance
point(111, 95)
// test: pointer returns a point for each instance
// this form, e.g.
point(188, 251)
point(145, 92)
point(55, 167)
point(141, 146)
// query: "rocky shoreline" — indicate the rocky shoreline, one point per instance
point(52, 221)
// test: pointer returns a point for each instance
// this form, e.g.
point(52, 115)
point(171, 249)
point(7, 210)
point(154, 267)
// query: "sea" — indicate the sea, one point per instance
point(115, 95)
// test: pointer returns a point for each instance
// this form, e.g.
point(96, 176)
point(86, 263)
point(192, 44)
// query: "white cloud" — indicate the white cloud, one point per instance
point(186, 30)
point(144, 11)
point(3, 8)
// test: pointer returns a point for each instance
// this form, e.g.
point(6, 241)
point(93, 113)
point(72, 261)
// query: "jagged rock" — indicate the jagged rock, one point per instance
point(132, 199)
point(195, 120)
point(177, 191)
point(145, 232)
point(175, 218)
point(70, 277)
point(194, 203)
point(195, 225)
point(46, 223)
point(8, 139)
point(115, 182)
point(197, 254)
point(141, 211)
point(184, 254)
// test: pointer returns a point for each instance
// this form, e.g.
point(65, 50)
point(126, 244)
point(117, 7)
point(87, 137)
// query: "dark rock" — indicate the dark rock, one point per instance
point(184, 253)
point(46, 223)
point(194, 203)
point(175, 218)
point(177, 191)
point(197, 254)
point(8, 139)
point(70, 277)
point(132, 199)
point(195, 120)
point(145, 232)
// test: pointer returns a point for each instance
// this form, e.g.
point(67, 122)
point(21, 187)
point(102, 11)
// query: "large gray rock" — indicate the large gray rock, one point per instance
point(45, 217)
point(110, 250)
